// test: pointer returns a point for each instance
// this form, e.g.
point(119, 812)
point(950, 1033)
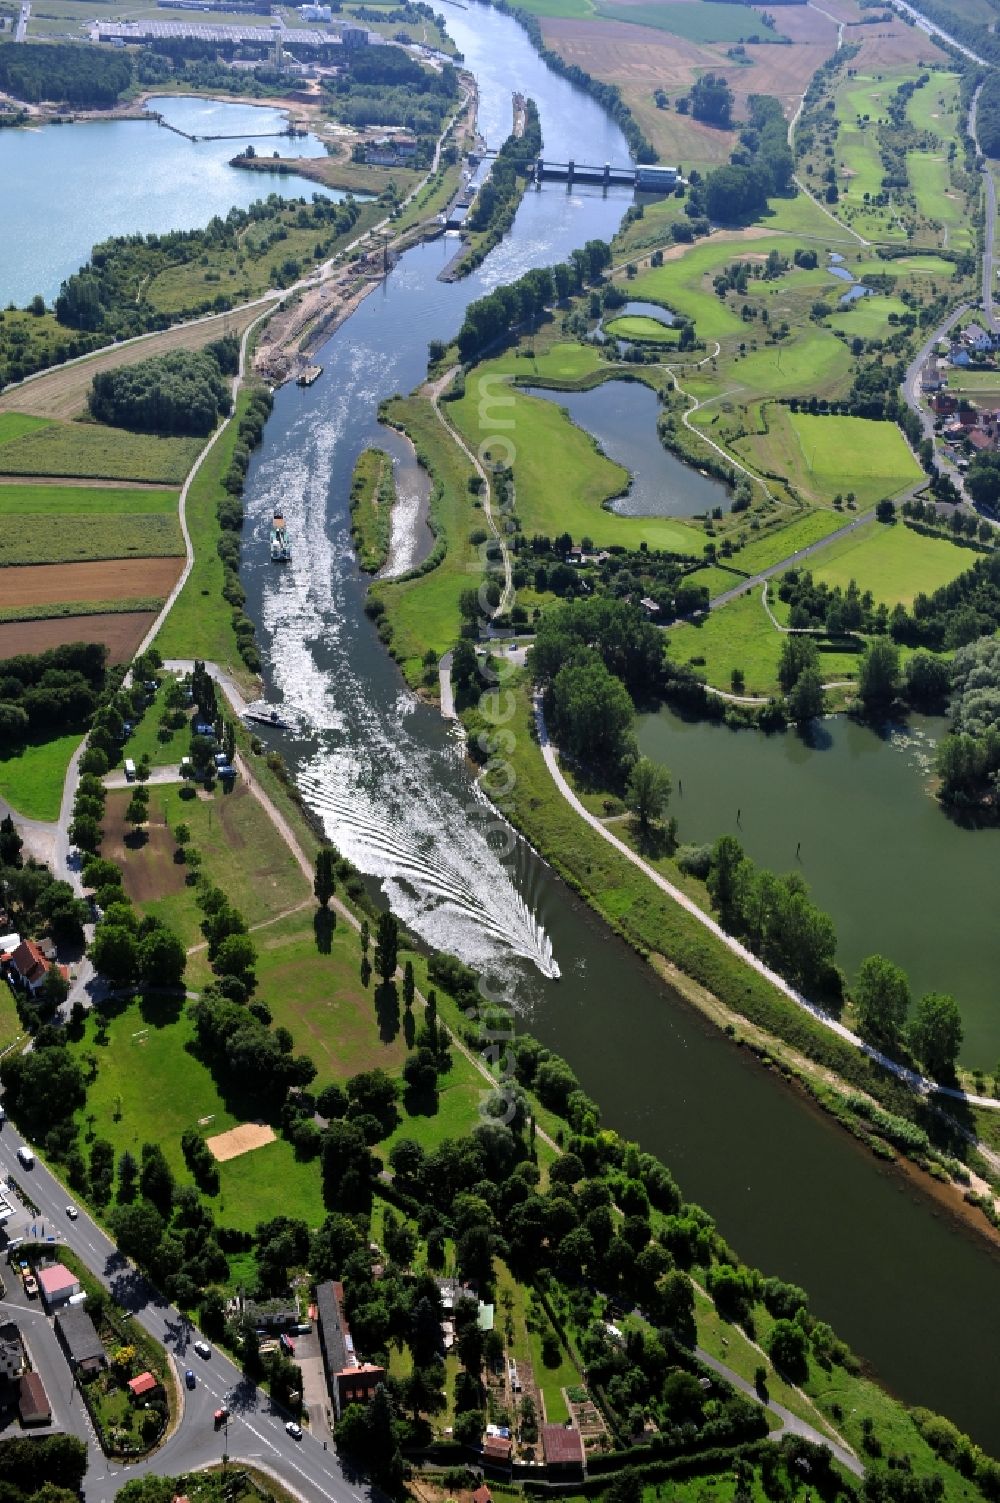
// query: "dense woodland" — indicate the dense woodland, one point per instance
point(183, 391)
point(491, 319)
point(386, 86)
point(65, 72)
point(49, 693)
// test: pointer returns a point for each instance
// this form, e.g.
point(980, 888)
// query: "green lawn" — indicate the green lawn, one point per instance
point(82, 500)
point(558, 363)
point(973, 380)
point(561, 479)
point(716, 581)
point(867, 317)
point(638, 326)
point(17, 424)
point(149, 1089)
point(33, 780)
point(50, 539)
point(895, 562)
point(924, 266)
point(813, 359)
point(694, 22)
point(841, 454)
point(200, 622)
point(781, 542)
point(552, 1380)
point(145, 740)
point(94, 452)
point(741, 635)
point(685, 285)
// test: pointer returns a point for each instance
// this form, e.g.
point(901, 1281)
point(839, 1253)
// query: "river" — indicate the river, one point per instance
point(912, 1294)
point(793, 1193)
point(66, 187)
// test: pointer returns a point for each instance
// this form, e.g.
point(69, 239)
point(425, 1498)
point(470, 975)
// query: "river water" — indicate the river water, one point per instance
point(62, 188)
point(912, 1293)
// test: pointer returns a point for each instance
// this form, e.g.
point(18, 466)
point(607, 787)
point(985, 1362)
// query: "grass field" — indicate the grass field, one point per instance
point(867, 317)
point(771, 547)
point(82, 500)
point(812, 360)
point(32, 782)
point(149, 1089)
point(17, 424)
point(741, 635)
point(561, 479)
point(694, 22)
point(973, 380)
point(918, 266)
point(825, 457)
point(200, 622)
point(239, 845)
point(894, 562)
point(51, 539)
point(94, 452)
point(645, 330)
point(556, 363)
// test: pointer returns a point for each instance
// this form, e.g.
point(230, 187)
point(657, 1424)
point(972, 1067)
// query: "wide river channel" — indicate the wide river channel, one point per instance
point(911, 1291)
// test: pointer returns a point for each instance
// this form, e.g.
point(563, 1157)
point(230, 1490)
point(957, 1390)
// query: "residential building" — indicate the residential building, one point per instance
point(33, 1402)
point(348, 1380)
point(57, 1285)
point(11, 1352)
point(79, 1340)
point(28, 966)
point(142, 1387)
point(562, 1448)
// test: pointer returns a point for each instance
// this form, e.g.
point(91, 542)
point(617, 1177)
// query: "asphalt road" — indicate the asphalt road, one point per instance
point(256, 1428)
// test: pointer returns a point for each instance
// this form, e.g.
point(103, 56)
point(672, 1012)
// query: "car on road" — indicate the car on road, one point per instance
point(294, 1430)
point(72, 1212)
point(220, 1416)
point(30, 1286)
point(190, 1378)
point(203, 1349)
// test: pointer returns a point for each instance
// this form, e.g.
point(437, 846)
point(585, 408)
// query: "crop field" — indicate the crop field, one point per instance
point(562, 480)
point(642, 329)
point(894, 562)
point(47, 538)
point(94, 452)
point(62, 391)
point(695, 20)
point(120, 631)
point(82, 500)
point(741, 635)
point(112, 579)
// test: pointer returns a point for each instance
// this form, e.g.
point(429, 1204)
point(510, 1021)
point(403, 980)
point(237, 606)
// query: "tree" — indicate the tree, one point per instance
point(138, 1230)
point(648, 791)
point(878, 675)
point(237, 956)
point(324, 883)
point(881, 999)
point(927, 681)
point(885, 511)
point(162, 958)
point(386, 945)
point(712, 101)
point(10, 843)
point(936, 1034)
point(156, 1182)
point(798, 652)
point(592, 716)
point(807, 700)
point(114, 953)
point(787, 1347)
point(137, 812)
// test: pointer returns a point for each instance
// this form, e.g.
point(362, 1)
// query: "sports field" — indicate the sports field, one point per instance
point(894, 562)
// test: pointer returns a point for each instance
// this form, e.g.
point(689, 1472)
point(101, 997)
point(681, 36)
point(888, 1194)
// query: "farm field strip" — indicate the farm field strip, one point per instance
point(18, 499)
point(47, 538)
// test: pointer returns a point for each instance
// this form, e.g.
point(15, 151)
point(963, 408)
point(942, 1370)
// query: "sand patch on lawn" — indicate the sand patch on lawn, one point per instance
point(242, 1139)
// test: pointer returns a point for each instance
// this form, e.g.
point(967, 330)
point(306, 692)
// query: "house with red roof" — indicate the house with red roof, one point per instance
point(57, 1284)
point(142, 1387)
point(562, 1448)
point(28, 966)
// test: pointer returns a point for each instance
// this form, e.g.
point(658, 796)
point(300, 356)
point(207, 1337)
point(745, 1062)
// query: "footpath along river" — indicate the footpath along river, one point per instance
point(911, 1291)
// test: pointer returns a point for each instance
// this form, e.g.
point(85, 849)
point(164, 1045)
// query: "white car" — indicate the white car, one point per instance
point(203, 1349)
point(294, 1430)
point(72, 1212)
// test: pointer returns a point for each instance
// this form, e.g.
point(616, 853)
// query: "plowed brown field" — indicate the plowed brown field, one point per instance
point(110, 579)
point(121, 633)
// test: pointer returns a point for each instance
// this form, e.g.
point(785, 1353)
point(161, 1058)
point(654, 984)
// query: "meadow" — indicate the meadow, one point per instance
point(94, 452)
point(823, 457)
point(83, 500)
point(32, 780)
point(561, 478)
point(741, 635)
point(694, 22)
point(893, 561)
point(778, 543)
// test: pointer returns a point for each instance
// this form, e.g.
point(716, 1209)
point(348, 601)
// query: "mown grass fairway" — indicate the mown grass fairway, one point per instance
point(561, 478)
point(16, 424)
point(842, 454)
point(894, 562)
point(32, 782)
point(558, 363)
point(918, 266)
point(55, 539)
point(82, 500)
point(645, 330)
point(867, 317)
point(97, 453)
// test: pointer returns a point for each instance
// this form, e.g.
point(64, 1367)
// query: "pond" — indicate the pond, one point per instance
point(66, 187)
point(896, 875)
point(621, 415)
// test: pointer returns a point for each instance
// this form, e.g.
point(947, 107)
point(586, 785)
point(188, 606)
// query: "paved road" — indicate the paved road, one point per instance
point(932, 29)
point(793, 558)
point(256, 1431)
point(912, 393)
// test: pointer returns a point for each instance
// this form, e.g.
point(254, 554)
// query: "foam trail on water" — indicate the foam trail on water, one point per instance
point(376, 787)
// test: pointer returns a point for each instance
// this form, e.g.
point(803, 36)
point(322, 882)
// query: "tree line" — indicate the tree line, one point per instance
point(183, 391)
point(48, 693)
point(492, 318)
point(69, 72)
